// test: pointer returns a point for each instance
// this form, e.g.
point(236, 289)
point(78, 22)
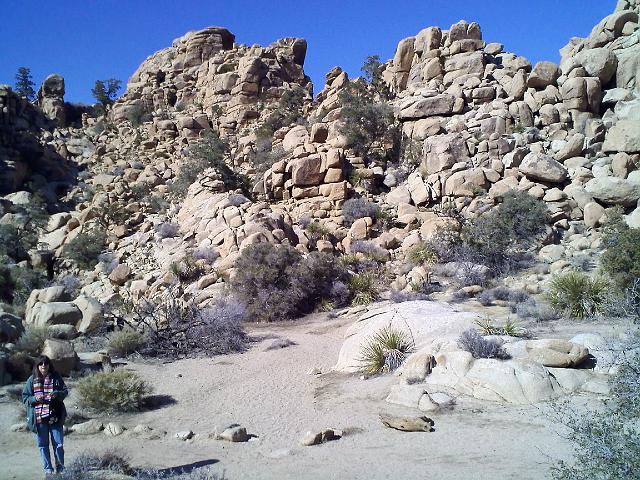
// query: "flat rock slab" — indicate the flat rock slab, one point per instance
point(407, 423)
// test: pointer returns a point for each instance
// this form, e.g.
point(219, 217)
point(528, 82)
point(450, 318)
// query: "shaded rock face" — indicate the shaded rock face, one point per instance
point(22, 151)
point(51, 99)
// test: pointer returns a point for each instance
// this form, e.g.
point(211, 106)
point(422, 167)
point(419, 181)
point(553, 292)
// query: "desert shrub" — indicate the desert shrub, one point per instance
point(485, 298)
point(85, 248)
point(510, 328)
point(15, 241)
point(278, 282)
point(167, 230)
point(289, 110)
point(316, 230)
point(356, 208)
point(621, 259)
point(607, 444)
point(499, 237)
point(423, 254)
point(187, 269)
point(85, 466)
point(385, 350)
point(208, 152)
point(401, 296)
point(535, 311)
point(208, 254)
point(219, 328)
point(370, 250)
point(123, 342)
point(16, 283)
point(625, 304)
point(363, 288)
point(480, 347)
point(32, 340)
point(117, 391)
point(578, 295)
point(517, 296)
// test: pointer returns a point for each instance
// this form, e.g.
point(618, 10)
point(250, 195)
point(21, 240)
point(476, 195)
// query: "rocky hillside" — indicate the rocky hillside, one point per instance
point(472, 123)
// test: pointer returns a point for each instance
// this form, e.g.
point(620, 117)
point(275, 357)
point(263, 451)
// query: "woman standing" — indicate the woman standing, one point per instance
point(43, 396)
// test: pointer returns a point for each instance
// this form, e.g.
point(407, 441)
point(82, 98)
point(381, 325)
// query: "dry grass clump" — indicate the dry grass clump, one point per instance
point(117, 391)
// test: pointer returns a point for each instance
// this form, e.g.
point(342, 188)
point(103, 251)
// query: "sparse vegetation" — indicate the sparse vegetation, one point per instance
point(278, 282)
point(106, 91)
point(117, 391)
point(124, 342)
point(367, 117)
point(480, 347)
point(607, 441)
point(85, 248)
point(577, 294)
point(386, 350)
point(363, 288)
point(356, 208)
point(32, 340)
point(621, 259)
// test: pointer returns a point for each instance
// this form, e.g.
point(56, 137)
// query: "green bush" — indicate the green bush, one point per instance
point(123, 342)
point(32, 340)
point(85, 248)
point(117, 391)
point(577, 294)
point(498, 237)
point(278, 282)
point(385, 350)
point(363, 288)
point(367, 117)
point(621, 259)
point(208, 152)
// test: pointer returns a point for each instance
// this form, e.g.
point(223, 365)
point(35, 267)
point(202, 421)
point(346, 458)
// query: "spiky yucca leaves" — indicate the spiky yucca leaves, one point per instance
point(363, 288)
point(385, 350)
point(577, 294)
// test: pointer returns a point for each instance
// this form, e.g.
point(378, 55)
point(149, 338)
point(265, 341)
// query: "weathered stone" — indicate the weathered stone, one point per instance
point(556, 353)
point(598, 62)
point(92, 316)
point(62, 355)
point(623, 137)
point(120, 274)
point(234, 433)
point(44, 314)
point(539, 166)
point(614, 190)
point(307, 171)
point(544, 73)
point(442, 152)
point(428, 107)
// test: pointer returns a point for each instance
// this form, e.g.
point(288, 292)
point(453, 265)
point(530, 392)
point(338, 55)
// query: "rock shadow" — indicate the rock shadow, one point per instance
point(156, 402)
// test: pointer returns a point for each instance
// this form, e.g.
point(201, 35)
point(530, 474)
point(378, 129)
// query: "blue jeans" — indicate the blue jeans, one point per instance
point(44, 431)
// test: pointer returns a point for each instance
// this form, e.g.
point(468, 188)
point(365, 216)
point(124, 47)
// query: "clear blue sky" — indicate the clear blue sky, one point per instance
point(85, 40)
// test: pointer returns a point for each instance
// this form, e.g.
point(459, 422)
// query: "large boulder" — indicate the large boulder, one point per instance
point(428, 107)
point(62, 355)
point(624, 136)
point(541, 167)
point(544, 73)
point(430, 324)
point(442, 152)
point(556, 353)
point(92, 315)
point(54, 313)
point(598, 62)
point(614, 190)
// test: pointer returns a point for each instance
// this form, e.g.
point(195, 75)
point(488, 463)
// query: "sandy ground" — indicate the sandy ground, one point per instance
point(274, 396)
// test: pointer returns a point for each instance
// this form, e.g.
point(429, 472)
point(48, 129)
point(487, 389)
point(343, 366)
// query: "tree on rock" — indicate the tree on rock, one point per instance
point(367, 117)
point(106, 91)
point(24, 84)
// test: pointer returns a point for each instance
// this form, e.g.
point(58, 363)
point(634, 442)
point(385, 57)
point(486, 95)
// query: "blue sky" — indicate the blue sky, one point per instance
point(85, 40)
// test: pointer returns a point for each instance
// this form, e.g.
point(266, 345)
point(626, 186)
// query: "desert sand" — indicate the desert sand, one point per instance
point(277, 396)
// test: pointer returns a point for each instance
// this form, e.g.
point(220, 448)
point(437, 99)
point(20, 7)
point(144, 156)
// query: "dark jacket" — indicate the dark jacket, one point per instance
point(57, 405)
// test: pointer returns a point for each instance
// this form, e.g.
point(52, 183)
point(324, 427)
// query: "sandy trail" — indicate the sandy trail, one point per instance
point(272, 394)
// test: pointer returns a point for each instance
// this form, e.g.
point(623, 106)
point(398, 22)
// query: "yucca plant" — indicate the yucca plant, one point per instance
point(363, 288)
point(577, 294)
point(385, 350)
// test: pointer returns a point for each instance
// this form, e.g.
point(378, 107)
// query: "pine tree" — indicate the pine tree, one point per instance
point(106, 91)
point(24, 84)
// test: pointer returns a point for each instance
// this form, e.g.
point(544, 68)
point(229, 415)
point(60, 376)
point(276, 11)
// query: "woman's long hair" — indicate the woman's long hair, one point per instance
point(43, 359)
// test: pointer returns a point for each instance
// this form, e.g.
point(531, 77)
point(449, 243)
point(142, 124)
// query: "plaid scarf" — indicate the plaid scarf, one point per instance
point(42, 387)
